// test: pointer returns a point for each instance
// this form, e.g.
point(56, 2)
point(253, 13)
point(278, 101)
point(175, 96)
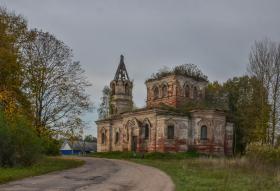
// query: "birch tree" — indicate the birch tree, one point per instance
point(275, 94)
point(265, 66)
point(104, 107)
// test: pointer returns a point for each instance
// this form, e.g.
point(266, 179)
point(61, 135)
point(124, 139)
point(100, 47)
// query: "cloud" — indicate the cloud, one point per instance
point(215, 35)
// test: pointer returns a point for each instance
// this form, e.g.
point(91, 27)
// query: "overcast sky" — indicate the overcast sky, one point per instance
point(215, 35)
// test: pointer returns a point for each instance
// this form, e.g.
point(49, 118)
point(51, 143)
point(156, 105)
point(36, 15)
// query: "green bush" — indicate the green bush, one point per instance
point(7, 153)
point(19, 144)
point(263, 153)
point(51, 146)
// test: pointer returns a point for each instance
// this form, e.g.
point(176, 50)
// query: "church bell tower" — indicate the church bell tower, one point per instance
point(121, 88)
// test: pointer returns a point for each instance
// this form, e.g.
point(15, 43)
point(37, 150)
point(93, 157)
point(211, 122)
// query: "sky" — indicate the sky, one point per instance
point(215, 35)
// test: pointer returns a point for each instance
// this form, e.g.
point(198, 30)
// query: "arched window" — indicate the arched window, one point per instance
point(156, 93)
point(117, 138)
point(126, 89)
point(187, 91)
point(203, 133)
point(195, 93)
point(146, 131)
point(113, 89)
point(170, 132)
point(103, 138)
point(164, 91)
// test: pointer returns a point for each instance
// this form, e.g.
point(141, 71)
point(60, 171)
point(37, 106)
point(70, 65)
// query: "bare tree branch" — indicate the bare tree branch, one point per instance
point(54, 83)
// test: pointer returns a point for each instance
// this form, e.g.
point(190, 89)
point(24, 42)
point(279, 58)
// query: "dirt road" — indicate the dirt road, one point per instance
point(97, 175)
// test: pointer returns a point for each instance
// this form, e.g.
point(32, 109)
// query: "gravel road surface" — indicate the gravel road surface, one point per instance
point(97, 175)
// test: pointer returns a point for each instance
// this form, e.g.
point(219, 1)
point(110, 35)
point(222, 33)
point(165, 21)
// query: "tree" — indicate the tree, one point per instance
point(90, 138)
point(19, 144)
point(265, 66)
point(74, 131)
point(215, 96)
point(105, 109)
point(245, 104)
point(13, 32)
point(54, 83)
point(275, 94)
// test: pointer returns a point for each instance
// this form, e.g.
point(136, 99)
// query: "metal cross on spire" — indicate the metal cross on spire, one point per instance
point(121, 73)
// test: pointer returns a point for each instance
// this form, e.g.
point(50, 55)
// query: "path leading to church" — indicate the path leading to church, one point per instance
point(97, 175)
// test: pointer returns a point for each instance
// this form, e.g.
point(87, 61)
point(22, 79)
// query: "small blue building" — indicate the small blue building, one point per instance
point(77, 148)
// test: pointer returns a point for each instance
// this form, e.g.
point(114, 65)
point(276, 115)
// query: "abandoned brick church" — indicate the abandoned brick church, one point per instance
point(155, 129)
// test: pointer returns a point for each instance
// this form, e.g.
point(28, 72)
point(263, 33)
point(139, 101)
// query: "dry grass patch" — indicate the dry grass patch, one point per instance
point(218, 174)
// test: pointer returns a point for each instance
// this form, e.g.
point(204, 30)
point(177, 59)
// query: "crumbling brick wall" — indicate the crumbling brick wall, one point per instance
point(176, 91)
point(187, 132)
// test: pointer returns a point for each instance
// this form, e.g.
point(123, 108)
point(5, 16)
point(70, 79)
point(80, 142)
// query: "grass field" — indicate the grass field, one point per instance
point(191, 172)
point(48, 164)
point(153, 156)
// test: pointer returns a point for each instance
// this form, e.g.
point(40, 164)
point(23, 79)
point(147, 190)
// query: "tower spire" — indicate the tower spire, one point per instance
point(121, 73)
point(121, 88)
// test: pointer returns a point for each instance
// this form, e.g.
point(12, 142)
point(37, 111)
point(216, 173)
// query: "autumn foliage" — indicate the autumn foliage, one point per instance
point(42, 92)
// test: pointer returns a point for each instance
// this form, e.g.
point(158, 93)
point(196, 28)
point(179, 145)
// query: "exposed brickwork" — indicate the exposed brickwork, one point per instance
point(187, 132)
point(146, 130)
point(176, 91)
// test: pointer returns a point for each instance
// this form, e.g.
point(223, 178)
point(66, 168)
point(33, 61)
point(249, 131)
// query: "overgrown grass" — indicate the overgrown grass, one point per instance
point(215, 174)
point(191, 172)
point(46, 165)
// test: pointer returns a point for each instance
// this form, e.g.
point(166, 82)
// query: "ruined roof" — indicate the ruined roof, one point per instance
point(186, 70)
point(121, 73)
point(160, 111)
